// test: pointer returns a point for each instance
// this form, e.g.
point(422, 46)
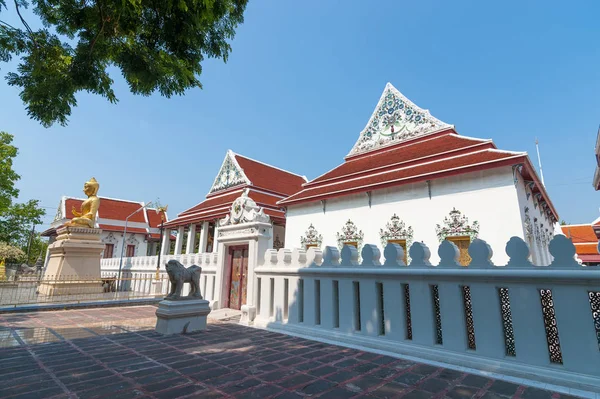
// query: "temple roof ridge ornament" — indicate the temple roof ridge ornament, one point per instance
point(394, 120)
point(230, 174)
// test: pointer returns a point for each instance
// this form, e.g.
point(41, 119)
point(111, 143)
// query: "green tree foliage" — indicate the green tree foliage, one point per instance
point(37, 249)
point(16, 219)
point(16, 223)
point(158, 45)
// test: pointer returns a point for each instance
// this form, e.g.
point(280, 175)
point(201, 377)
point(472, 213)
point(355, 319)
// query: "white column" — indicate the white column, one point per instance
point(203, 237)
point(191, 240)
point(179, 240)
point(215, 241)
point(166, 242)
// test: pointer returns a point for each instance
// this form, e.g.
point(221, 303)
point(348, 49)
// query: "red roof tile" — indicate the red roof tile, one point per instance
point(270, 178)
point(411, 152)
point(71, 203)
point(109, 209)
point(217, 207)
point(586, 249)
point(107, 227)
point(395, 176)
point(154, 218)
point(580, 233)
point(429, 157)
point(119, 210)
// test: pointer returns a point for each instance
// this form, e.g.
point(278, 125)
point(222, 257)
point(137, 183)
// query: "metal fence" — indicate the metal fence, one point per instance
point(34, 289)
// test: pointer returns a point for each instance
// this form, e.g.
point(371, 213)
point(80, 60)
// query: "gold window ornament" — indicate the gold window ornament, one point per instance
point(350, 235)
point(311, 238)
point(456, 228)
point(397, 232)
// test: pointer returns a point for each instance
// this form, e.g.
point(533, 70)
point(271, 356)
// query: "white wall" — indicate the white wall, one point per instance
point(489, 197)
point(539, 251)
point(116, 238)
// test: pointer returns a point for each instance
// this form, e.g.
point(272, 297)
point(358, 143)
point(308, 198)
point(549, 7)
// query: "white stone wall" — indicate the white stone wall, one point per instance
point(489, 197)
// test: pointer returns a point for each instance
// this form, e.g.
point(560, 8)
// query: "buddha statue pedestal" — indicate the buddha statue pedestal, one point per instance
point(74, 263)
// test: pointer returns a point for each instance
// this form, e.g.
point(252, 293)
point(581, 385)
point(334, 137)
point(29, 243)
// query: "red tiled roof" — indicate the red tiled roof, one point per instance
point(586, 249)
point(109, 209)
point(71, 203)
point(217, 207)
point(212, 202)
point(107, 227)
point(412, 152)
point(119, 210)
point(270, 178)
point(580, 233)
point(154, 218)
point(430, 157)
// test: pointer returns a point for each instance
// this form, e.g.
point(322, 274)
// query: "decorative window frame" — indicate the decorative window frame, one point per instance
point(350, 234)
point(311, 238)
point(132, 240)
point(455, 225)
point(396, 229)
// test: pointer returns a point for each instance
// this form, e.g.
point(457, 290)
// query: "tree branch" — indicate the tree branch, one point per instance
point(25, 23)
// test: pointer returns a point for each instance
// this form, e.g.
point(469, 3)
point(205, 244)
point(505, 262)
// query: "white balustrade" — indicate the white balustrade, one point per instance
point(519, 319)
point(135, 268)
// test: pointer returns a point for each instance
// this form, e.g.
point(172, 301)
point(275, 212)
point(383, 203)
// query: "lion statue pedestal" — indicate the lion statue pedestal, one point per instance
point(178, 314)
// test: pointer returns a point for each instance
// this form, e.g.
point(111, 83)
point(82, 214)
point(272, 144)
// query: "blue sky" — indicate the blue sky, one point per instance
point(304, 77)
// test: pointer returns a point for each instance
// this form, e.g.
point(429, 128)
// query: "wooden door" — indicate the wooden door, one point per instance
point(238, 267)
point(462, 243)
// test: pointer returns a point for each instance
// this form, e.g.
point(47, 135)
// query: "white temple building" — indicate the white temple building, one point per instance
point(143, 227)
point(411, 177)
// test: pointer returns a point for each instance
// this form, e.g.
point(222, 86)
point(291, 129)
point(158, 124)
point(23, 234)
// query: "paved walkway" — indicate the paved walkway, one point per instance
point(114, 352)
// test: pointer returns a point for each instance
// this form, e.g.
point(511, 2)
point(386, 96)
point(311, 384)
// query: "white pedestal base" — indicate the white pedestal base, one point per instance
point(248, 315)
point(181, 316)
point(73, 263)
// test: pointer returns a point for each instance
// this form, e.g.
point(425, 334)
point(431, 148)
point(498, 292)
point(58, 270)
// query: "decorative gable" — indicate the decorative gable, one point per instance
point(230, 174)
point(395, 119)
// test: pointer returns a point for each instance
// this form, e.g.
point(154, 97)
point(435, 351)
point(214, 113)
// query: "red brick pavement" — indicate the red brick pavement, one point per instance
point(114, 352)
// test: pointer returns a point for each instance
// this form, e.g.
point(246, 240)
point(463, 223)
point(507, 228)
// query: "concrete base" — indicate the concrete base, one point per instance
point(181, 316)
point(73, 263)
point(248, 315)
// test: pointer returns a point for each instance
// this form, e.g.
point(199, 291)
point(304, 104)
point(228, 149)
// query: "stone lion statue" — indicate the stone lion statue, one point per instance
point(178, 275)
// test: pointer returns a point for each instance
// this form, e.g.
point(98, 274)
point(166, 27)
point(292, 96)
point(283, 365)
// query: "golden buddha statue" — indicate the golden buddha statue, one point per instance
point(89, 207)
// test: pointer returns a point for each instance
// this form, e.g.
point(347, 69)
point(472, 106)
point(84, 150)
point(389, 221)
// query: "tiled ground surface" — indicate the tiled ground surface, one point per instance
point(114, 352)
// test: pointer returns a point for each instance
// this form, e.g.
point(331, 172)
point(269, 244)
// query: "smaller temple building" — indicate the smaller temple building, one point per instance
point(197, 227)
point(585, 238)
point(143, 228)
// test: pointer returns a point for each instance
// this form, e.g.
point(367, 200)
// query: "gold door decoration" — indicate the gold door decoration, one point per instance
point(456, 228)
